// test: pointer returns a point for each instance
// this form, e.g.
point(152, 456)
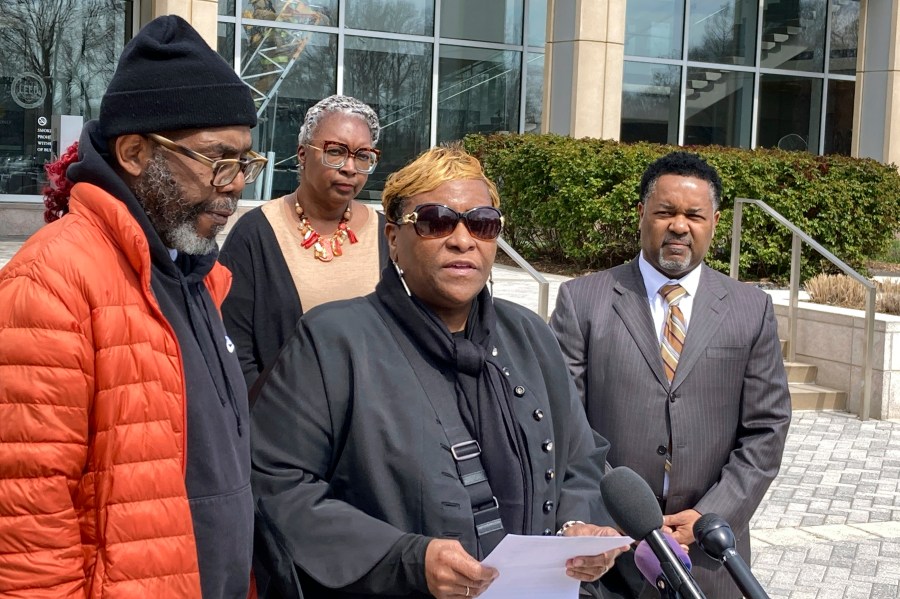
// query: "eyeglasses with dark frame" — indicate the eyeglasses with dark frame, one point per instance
point(224, 170)
point(336, 153)
point(433, 221)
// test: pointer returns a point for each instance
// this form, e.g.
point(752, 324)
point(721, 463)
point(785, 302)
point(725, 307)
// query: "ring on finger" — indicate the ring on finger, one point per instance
point(467, 591)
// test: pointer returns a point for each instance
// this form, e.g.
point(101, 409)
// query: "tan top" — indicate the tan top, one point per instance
point(352, 274)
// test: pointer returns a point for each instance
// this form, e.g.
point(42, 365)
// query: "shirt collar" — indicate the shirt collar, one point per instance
point(653, 279)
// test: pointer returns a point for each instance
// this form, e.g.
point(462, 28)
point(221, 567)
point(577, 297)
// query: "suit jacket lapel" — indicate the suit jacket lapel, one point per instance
point(706, 315)
point(632, 307)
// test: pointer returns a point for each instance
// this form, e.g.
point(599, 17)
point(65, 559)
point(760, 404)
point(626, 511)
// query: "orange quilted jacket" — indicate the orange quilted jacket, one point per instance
point(92, 415)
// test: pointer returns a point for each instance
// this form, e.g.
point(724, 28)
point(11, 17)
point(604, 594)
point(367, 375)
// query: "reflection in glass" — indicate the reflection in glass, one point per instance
point(537, 22)
point(478, 91)
point(56, 58)
point(483, 20)
point(794, 35)
point(844, 36)
point(650, 98)
point(413, 17)
point(723, 31)
point(319, 12)
point(534, 92)
point(718, 108)
point(789, 113)
point(225, 42)
point(309, 63)
point(839, 117)
point(653, 28)
point(226, 8)
point(394, 78)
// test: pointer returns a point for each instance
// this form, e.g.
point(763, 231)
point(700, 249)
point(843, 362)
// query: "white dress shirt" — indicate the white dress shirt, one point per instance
point(654, 280)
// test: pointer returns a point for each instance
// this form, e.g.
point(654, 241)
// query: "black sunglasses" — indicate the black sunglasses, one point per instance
point(433, 221)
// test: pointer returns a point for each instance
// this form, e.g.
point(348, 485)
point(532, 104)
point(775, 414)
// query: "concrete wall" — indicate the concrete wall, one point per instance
point(833, 339)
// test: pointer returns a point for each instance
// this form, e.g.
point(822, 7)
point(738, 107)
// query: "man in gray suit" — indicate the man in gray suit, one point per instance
point(680, 367)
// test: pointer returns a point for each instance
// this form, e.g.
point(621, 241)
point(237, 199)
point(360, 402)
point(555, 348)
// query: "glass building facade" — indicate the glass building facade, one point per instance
point(433, 70)
point(56, 59)
point(780, 73)
point(725, 72)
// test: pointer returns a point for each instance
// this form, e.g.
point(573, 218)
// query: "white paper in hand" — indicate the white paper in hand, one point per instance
point(535, 566)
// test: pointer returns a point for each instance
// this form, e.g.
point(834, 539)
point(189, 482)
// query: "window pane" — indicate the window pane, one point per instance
point(56, 60)
point(650, 98)
point(718, 108)
point(794, 35)
point(537, 22)
point(483, 20)
point(844, 36)
point(414, 17)
point(225, 42)
point(534, 92)
point(320, 12)
point(653, 28)
point(478, 91)
point(789, 113)
point(226, 8)
point(310, 62)
point(394, 78)
point(839, 117)
point(723, 32)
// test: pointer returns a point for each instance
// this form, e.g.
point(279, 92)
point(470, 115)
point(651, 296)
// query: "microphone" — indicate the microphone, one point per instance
point(651, 569)
point(716, 539)
point(633, 506)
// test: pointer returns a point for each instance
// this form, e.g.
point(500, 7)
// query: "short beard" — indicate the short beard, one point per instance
point(672, 266)
point(174, 219)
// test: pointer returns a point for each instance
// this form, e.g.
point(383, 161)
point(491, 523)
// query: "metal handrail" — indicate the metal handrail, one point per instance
point(797, 237)
point(543, 284)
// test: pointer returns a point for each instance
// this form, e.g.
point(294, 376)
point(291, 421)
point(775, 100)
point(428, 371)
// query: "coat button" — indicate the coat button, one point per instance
point(506, 371)
point(661, 450)
point(538, 415)
point(548, 506)
point(549, 474)
point(547, 446)
point(547, 532)
point(519, 390)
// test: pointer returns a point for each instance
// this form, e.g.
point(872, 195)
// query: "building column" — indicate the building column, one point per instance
point(201, 14)
point(583, 68)
point(876, 107)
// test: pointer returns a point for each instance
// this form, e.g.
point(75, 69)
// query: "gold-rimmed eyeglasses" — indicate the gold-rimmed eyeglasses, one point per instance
point(224, 170)
point(336, 153)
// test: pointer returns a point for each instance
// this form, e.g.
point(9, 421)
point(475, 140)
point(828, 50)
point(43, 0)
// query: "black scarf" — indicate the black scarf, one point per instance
point(483, 392)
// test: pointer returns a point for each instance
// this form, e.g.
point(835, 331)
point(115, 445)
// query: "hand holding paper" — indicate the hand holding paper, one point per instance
point(536, 566)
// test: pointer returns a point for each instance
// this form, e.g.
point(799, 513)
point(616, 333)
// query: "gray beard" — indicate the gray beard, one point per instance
point(675, 265)
point(174, 219)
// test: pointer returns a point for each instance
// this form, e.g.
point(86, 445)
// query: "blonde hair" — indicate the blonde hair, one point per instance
point(429, 171)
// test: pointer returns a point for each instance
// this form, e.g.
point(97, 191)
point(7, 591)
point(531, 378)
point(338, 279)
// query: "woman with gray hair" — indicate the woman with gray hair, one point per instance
point(315, 245)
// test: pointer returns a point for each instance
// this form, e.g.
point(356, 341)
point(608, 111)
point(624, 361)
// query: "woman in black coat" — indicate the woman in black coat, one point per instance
point(399, 436)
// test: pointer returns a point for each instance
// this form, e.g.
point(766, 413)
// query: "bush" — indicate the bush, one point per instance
point(574, 201)
point(841, 290)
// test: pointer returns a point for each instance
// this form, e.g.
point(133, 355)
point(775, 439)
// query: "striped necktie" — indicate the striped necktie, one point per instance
point(675, 330)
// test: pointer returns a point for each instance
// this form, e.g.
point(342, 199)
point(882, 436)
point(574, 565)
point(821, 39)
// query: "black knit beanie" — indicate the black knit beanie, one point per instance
point(169, 79)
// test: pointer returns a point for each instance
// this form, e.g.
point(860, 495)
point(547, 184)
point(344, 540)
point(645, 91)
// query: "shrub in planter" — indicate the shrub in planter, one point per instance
point(574, 201)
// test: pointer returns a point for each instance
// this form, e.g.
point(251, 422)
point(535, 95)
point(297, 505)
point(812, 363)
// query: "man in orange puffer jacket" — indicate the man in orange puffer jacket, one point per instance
point(124, 453)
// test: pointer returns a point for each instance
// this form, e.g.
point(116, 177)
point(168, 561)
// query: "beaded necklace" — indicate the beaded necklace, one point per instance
point(325, 249)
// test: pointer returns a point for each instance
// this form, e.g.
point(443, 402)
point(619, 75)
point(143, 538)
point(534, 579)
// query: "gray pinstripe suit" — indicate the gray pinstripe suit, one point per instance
point(728, 404)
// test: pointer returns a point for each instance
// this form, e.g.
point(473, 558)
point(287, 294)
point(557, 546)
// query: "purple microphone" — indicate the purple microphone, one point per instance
point(647, 562)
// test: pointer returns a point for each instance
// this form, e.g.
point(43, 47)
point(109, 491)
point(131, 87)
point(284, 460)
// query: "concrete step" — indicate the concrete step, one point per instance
point(799, 372)
point(806, 396)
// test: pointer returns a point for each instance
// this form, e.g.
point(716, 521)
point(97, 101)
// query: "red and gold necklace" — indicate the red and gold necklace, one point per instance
point(325, 249)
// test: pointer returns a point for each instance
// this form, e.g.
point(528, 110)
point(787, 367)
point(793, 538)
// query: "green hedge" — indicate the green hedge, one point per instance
point(574, 201)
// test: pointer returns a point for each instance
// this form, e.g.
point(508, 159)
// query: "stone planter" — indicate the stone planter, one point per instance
point(833, 339)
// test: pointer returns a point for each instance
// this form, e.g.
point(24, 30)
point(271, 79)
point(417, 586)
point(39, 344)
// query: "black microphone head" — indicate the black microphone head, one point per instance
point(714, 535)
point(631, 502)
